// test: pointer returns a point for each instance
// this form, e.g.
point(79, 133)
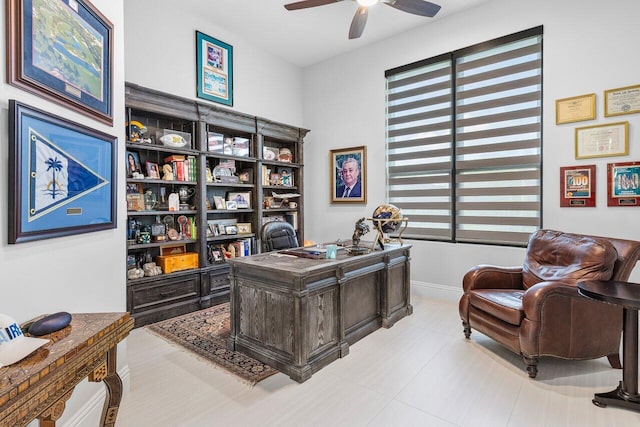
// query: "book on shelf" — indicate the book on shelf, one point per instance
point(178, 170)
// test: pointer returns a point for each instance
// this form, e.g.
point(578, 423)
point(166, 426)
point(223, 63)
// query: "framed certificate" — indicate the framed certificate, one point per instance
point(578, 186)
point(576, 109)
point(602, 140)
point(623, 182)
point(623, 100)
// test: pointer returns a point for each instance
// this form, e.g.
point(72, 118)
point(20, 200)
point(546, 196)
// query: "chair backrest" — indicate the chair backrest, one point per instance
point(554, 255)
point(277, 235)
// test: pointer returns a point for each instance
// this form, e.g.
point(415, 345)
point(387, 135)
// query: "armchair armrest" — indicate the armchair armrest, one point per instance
point(534, 298)
point(492, 277)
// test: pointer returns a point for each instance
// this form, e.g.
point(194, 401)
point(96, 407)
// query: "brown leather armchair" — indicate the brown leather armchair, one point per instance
point(536, 310)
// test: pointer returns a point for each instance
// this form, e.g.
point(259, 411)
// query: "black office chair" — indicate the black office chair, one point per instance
point(278, 235)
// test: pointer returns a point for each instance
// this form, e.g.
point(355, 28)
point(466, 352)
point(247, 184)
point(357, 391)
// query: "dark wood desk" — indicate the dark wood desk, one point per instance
point(300, 314)
point(626, 295)
point(40, 385)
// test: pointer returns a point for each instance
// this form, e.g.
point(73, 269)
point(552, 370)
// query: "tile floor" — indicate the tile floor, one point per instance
point(421, 372)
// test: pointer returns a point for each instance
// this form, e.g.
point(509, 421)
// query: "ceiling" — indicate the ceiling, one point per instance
point(304, 37)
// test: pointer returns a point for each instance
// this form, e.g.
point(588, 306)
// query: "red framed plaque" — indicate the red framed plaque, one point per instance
point(623, 184)
point(578, 186)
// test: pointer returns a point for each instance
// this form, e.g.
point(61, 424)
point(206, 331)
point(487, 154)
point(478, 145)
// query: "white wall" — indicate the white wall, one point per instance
point(160, 54)
point(78, 274)
point(588, 47)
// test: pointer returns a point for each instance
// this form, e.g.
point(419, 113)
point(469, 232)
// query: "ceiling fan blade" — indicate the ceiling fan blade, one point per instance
point(358, 22)
point(417, 7)
point(308, 3)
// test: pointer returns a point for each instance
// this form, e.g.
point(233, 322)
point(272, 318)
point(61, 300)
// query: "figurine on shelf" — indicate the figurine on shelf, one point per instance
point(151, 269)
point(167, 172)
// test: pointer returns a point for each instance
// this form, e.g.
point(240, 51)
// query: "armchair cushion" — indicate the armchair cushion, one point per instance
point(504, 304)
point(553, 255)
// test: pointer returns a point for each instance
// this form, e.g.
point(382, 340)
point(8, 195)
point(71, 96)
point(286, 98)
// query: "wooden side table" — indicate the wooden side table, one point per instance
point(40, 385)
point(626, 295)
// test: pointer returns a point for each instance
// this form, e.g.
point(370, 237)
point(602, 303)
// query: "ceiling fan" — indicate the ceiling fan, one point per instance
point(416, 7)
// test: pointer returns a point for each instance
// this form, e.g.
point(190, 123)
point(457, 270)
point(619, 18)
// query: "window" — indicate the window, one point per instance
point(464, 142)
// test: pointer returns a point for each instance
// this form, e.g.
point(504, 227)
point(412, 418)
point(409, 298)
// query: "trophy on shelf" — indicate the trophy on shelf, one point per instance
point(185, 194)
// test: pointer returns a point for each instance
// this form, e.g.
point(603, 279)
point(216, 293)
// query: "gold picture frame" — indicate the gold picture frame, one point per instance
point(622, 100)
point(348, 172)
point(608, 140)
point(244, 227)
point(576, 109)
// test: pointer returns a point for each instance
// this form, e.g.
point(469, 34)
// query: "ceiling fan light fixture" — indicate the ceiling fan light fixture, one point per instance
point(367, 3)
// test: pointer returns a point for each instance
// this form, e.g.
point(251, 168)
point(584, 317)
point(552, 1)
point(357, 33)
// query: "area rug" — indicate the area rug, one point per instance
point(205, 333)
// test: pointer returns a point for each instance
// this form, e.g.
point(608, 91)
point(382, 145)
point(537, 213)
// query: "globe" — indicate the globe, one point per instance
point(387, 212)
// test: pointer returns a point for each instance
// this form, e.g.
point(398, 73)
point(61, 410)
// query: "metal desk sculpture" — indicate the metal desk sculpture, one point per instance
point(360, 230)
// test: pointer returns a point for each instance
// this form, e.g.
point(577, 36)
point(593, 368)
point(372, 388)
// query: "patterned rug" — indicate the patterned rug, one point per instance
point(205, 333)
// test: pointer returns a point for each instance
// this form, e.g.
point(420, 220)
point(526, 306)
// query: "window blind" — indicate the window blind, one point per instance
point(464, 142)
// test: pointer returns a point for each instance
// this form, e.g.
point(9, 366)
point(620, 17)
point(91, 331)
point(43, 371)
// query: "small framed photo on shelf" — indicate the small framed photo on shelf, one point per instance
point(274, 178)
point(231, 229)
point(152, 170)
point(214, 65)
point(216, 255)
point(221, 230)
point(608, 140)
point(578, 186)
point(246, 176)
point(286, 177)
point(133, 164)
point(135, 202)
point(215, 230)
point(215, 142)
point(242, 200)
point(232, 205)
point(134, 188)
point(219, 202)
point(622, 100)
point(576, 109)
point(623, 184)
point(270, 153)
point(244, 228)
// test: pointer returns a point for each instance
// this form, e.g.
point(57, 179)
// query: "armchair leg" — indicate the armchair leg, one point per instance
point(614, 361)
point(467, 330)
point(532, 365)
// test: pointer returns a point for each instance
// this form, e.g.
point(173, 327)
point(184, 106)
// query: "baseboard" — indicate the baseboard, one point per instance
point(436, 291)
point(92, 409)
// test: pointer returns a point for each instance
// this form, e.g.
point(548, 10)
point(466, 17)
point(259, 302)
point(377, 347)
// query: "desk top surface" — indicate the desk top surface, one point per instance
point(301, 265)
point(620, 293)
point(85, 331)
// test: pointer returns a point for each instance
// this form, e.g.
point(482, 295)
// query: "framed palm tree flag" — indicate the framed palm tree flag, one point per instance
point(62, 176)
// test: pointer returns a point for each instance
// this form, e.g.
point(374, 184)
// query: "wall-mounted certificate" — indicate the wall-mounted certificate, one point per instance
point(578, 186)
point(576, 109)
point(623, 100)
point(623, 182)
point(602, 140)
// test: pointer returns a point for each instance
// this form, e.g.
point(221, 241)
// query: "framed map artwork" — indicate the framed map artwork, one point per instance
point(62, 50)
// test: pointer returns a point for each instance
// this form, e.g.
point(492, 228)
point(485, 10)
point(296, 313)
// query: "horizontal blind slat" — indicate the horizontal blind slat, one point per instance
point(511, 54)
point(499, 87)
point(501, 117)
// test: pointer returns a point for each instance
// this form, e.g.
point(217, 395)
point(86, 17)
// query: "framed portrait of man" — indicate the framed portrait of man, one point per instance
point(348, 172)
